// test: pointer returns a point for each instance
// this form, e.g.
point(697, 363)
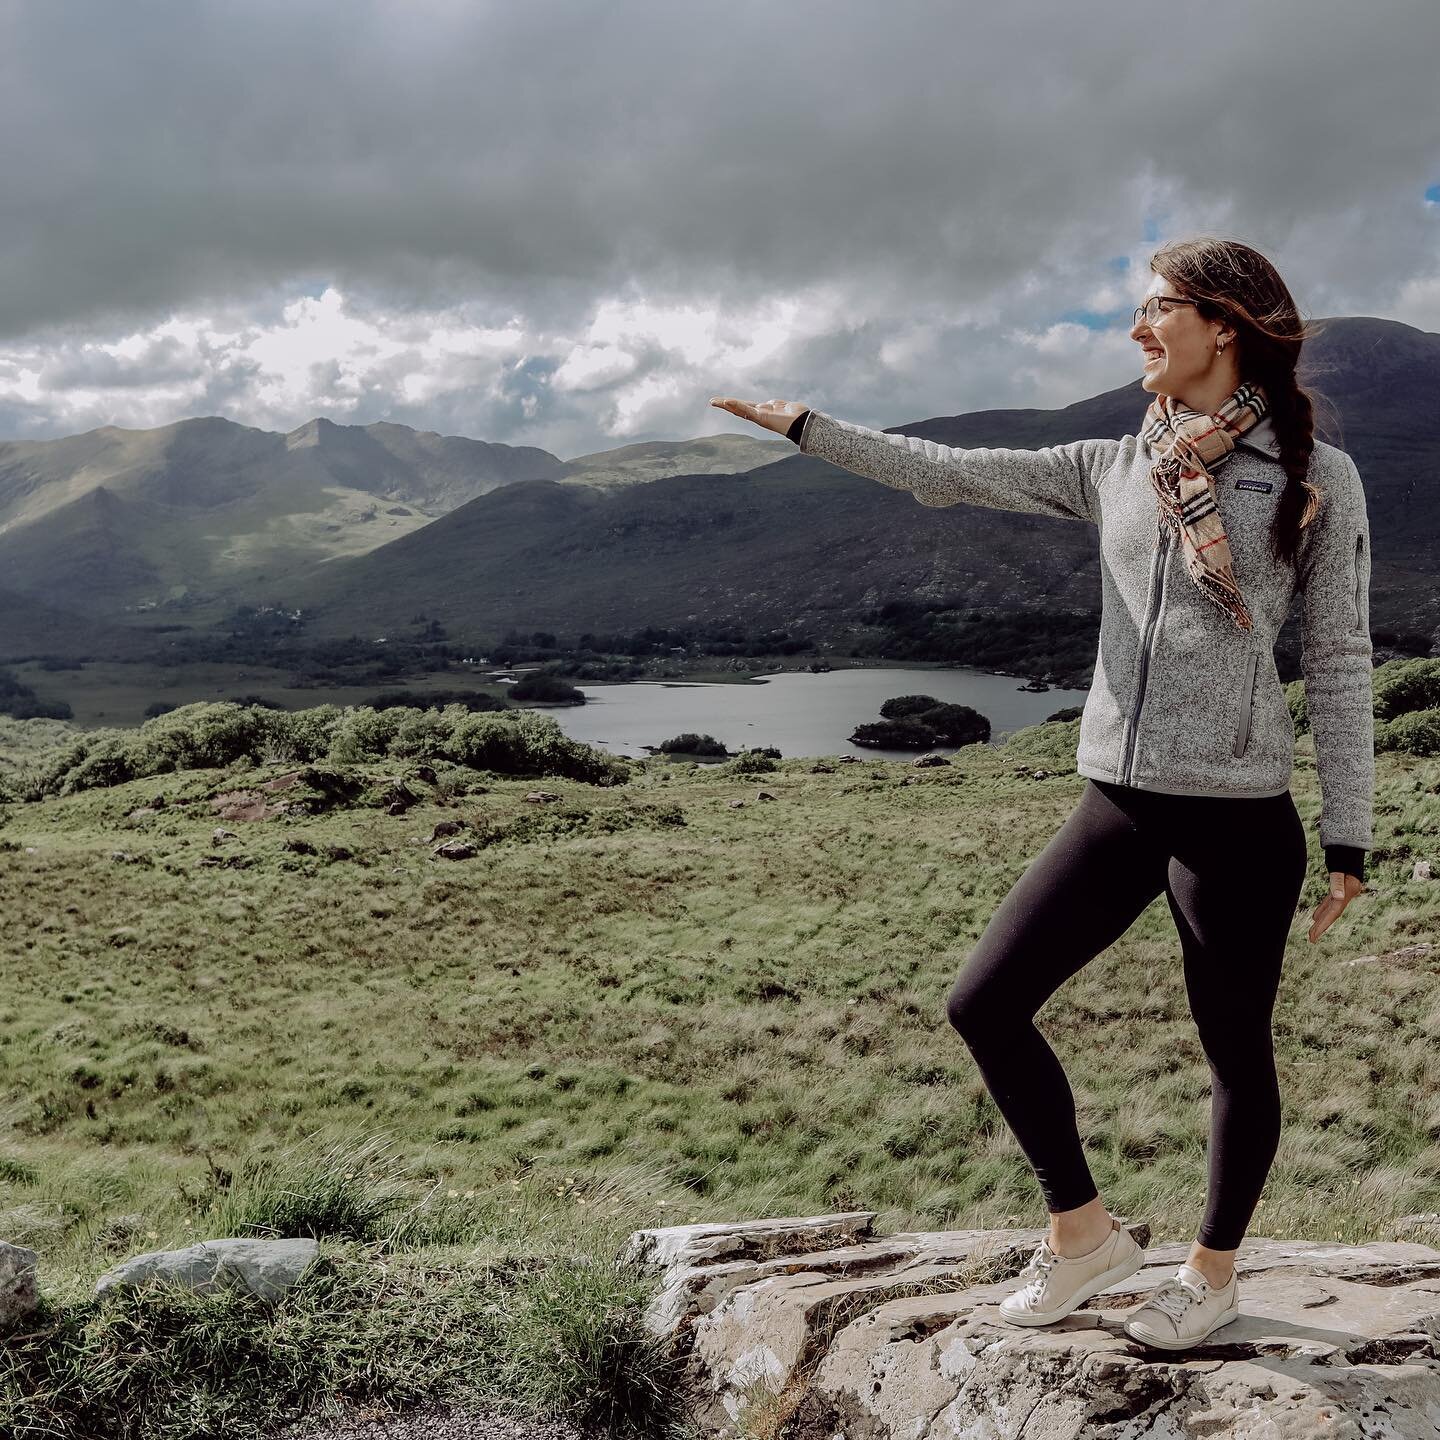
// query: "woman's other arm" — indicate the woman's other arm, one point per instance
point(1336, 663)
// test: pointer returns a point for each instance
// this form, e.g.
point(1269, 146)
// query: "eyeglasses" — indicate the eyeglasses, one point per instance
point(1150, 311)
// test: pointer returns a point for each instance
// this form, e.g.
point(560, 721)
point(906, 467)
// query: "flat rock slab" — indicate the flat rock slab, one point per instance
point(266, 1268)
point(898, 1337)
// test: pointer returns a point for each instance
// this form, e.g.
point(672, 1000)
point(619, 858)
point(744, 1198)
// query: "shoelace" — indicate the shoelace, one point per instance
point(1174, 1297)
point(1042, 1262)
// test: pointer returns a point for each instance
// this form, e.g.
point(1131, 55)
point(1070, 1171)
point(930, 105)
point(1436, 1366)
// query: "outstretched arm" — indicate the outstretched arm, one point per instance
point(1054, 480)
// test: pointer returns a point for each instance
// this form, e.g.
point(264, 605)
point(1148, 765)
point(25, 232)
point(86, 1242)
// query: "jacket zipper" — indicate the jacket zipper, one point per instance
point(1242, 728)
point(1162, 552)
point(1359, 543)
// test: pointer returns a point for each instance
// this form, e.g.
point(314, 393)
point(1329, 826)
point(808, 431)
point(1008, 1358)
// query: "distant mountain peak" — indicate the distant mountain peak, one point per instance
point(313, 432)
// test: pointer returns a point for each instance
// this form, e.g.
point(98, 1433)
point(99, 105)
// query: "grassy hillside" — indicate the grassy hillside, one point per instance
point(751, 1001)
point(653, 460)
point(634, 1005)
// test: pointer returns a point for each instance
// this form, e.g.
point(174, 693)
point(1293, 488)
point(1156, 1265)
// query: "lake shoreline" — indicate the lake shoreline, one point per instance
point(758, 674)
point(794, 709)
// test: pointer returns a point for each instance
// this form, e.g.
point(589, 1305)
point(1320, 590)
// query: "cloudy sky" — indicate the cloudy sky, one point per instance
point(568, 224)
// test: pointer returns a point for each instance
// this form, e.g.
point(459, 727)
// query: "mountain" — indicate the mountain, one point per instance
point(115, 521)
point(805, 546)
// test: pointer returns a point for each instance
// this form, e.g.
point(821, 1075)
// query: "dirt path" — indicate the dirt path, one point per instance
point(432, 1424)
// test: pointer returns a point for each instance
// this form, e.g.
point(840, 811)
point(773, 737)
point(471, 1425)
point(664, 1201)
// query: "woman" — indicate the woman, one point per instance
point(1211, 519)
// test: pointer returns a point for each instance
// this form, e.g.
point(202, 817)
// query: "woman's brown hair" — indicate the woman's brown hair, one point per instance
point(1234, 283)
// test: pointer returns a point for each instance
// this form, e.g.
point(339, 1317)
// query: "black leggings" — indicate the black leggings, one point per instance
point(1232, 871)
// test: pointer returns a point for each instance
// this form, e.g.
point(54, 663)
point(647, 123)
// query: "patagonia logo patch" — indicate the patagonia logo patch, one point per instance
point(1264, 486)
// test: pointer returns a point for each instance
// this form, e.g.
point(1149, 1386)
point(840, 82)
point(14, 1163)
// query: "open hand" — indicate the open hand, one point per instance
point(1343, 889)
point(777, 415)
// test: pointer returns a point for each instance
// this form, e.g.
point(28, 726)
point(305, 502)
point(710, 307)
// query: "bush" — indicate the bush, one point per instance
point(910, 733)
point(212, 736)
point(899, 706)
point(109, 762)
point(1405, 686)
point(546, 685)
point(307, 733)
point(365, 734)
point(425, 734)
point(917, 722)
point(1415, 733)
point(690, 743)
point(754, 762)
point(523, 742)
point(955, 724)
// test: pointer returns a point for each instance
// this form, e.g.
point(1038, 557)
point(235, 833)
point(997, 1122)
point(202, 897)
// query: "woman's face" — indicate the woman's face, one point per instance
point(1178, 348)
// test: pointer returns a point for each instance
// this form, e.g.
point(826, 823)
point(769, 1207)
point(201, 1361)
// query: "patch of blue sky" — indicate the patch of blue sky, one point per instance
point(1098, 319)
point(1118, 263)
point(1152, 230)
point(1433, 194)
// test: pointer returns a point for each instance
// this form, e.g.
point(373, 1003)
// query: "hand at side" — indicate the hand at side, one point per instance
point(1343, 889)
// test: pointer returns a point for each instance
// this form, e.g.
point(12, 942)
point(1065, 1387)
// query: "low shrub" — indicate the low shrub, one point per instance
point(689, 743)
point(206, 736)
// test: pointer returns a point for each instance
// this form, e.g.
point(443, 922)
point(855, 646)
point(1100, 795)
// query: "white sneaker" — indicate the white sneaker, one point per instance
point(1057, 1284)
point(1184, 1310)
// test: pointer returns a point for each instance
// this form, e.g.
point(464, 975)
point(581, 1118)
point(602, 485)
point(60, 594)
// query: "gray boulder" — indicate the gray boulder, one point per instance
point(266, 1268)
point(18, 1293)
point(879, 1338)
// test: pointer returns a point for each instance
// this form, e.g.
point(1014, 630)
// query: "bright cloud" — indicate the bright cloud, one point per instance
point(558, 225)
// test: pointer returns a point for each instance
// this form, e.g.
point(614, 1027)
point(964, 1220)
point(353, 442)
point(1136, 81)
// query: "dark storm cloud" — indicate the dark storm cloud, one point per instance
point(943, 165)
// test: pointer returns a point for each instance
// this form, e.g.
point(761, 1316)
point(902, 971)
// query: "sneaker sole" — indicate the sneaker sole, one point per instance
point(1088, 1291)
point(1185, 1344)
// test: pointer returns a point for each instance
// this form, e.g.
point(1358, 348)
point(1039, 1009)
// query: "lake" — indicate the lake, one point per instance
point(798, 712)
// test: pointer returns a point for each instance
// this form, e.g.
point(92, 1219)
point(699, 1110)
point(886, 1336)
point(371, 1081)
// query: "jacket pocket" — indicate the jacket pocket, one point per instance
point(1247, 703)
point(1359, 552)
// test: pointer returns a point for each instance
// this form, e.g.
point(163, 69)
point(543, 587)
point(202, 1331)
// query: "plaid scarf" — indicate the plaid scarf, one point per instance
point(1192, 446)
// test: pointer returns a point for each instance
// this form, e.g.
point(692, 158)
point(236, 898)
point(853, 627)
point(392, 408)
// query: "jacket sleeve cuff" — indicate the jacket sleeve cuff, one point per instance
point(796, 426)
point(1348, 859)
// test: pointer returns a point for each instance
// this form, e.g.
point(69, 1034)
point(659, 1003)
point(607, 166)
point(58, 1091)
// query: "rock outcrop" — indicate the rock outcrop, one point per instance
point(267, 1268)
point(818, 1329)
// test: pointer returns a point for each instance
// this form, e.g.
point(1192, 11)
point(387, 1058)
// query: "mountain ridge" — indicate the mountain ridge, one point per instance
point(790, 542)
point(799, 543)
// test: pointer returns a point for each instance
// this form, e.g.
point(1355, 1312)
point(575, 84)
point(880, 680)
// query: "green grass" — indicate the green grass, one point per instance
point(619, 1022)
point(503, 1299)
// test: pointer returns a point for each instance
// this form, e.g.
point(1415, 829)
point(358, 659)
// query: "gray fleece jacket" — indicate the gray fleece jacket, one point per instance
point(1181, 701)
